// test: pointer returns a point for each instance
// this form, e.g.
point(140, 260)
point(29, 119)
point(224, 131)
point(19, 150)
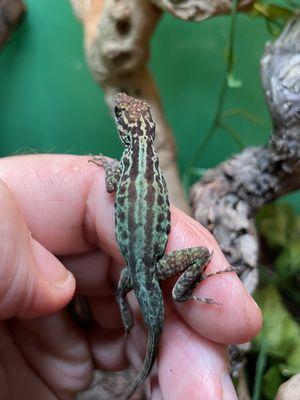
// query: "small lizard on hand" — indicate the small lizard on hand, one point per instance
point(142, 223)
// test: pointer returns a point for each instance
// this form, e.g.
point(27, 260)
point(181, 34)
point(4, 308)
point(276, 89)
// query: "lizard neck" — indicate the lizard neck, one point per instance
point(144, 160)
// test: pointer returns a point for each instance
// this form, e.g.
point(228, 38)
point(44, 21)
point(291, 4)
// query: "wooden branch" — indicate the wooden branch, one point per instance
point(198, 10)
point(88, 12)
point(11, 13)
point(117, 38)
point(228, 196)
point(117, 48)
point(280, 70)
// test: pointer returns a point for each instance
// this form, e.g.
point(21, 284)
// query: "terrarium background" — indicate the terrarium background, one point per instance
point(49, 102)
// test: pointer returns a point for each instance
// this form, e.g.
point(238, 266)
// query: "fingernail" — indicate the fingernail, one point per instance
point(228, 389)
point(65, 281)
point(58, 275)
point(52, 269)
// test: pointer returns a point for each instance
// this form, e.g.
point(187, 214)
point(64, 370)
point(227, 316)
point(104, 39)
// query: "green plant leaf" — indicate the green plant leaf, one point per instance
point(273, 27)
point(287, 264)
point(276, 223)
point(293, 4)
point(292, 365)
point(280, 330)
point(272, 12)
point(289, 370)
point(272, 380)
point(275, 15)
point(233, 82)
point(279, 338)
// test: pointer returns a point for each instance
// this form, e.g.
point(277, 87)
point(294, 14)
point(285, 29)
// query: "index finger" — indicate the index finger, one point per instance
point(65, 204)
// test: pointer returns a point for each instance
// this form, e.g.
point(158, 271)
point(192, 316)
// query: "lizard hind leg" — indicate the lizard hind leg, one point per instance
point(124, 287)
point(192, 262)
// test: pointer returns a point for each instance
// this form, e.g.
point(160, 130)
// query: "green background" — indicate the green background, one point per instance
point(49, 102)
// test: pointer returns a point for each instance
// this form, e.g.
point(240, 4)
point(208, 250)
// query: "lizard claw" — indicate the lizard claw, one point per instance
point(98, 160)
point(206, 300)
point(221, 271)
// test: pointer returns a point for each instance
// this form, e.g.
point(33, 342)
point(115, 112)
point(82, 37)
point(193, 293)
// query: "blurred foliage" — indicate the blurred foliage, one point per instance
point(278, 225)
point(278, 345)
point(276, 14)
point(218, 123)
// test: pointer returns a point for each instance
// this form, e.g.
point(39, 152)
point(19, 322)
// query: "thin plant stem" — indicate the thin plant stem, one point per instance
point(234, 135)
point(221, 99)
point(239, 112)
point(259, 370)
point(214, 125)
point(232, 31)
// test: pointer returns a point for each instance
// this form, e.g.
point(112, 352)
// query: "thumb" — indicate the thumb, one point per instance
point(32, 281)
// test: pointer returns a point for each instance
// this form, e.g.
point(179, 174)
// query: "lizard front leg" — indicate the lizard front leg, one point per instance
point(192, 262)
point(112, 171)
point(124, 287)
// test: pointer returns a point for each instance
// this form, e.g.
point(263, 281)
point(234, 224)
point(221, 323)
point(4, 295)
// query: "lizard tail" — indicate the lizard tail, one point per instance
point(153, 339)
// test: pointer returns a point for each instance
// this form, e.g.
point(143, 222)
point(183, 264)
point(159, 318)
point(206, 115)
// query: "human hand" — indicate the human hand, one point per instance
point(55, 212)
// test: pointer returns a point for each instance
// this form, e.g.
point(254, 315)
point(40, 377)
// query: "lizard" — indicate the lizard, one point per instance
point(142, 226)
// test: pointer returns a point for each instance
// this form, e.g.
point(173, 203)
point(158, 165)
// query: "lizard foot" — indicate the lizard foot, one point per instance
point(222, 271)
point(205, 300)
point(98, 160)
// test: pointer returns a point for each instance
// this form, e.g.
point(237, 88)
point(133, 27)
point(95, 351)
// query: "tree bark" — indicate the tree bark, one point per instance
point(198, 10)
point(11, 14)
point(117, 36)
point(226, 199)
point(228, 196)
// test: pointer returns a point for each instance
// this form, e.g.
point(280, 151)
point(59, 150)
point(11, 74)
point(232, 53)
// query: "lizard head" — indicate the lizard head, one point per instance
point(133, 119)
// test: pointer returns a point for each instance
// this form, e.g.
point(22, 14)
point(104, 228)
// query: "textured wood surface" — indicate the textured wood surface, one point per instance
point(198, 10)
point(11, 13)
point(117, 47)
point(226, 199)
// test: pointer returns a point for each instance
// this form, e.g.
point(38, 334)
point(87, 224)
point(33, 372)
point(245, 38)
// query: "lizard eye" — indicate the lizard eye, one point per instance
point(117, 112)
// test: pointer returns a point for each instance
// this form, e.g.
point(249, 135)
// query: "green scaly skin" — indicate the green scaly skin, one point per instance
point(142, 223)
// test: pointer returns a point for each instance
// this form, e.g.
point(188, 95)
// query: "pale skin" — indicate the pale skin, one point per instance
point(62, 201)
